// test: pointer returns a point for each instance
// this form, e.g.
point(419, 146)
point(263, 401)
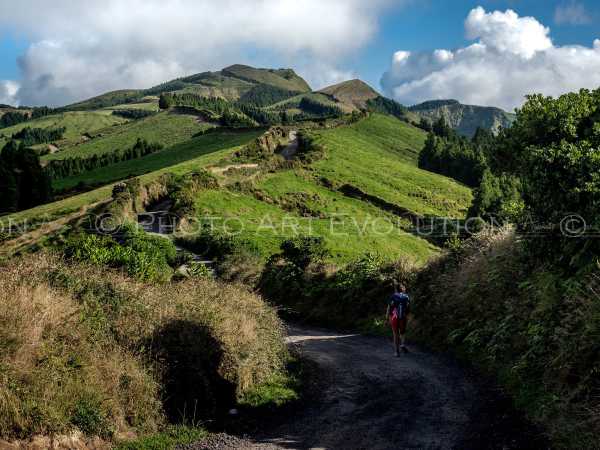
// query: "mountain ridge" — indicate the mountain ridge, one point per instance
point(465, 119)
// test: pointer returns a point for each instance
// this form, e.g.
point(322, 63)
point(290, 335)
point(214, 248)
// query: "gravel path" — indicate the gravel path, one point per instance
point(373, 400)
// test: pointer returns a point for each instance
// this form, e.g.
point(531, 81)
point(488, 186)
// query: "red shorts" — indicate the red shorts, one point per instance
point(398, 325)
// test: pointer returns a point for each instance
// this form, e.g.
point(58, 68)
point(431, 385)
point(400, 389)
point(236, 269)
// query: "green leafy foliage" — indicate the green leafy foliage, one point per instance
point(23, 183)
point(554, 147)
point(523, 321)
point(32, 136)
point(134, 114)
point(449, 154)
point(142, 256)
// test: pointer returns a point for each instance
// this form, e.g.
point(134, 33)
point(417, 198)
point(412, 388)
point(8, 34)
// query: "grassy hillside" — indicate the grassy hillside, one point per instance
point(77, 202)
point(130, 358)
point(164, 128)
point(230, 83)
point(378, 156)
point(294, 102)
point(108, 99)
point(171, 156)
point(76, 124)
point(353, 93)
point(281, 78)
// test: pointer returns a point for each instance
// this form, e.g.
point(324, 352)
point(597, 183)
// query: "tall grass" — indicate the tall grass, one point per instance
point(527, 323)
point(90, 349)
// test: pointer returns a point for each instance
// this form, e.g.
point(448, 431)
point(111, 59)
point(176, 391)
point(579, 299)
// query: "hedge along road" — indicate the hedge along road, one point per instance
point(372, 400)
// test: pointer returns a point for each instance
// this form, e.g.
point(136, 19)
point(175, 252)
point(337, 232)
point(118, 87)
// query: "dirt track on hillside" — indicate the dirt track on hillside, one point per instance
point(373, 400)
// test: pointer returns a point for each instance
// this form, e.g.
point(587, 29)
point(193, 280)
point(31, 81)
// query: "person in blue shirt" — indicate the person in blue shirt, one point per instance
point(397, 314)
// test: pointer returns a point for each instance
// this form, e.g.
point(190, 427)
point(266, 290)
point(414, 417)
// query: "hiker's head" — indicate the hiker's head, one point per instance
point(401, 288)
point(398, 287)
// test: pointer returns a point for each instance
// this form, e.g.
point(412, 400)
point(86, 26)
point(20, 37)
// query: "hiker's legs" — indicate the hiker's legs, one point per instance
point(396, 340)
point(402, 333)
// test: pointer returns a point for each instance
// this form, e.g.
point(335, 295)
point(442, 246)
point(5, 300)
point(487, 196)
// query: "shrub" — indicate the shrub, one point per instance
point(352, 297)
point(145, 257)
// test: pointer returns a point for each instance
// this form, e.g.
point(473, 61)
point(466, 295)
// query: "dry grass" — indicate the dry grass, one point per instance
point(82, 347)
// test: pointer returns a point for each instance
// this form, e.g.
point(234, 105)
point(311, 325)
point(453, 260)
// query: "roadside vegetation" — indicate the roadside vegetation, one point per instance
point(109, 355)
point(522, 302)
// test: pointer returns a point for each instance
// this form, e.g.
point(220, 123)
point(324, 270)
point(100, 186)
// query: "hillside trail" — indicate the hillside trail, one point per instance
point(292, 148)
point(372, 400)
point(27, 239)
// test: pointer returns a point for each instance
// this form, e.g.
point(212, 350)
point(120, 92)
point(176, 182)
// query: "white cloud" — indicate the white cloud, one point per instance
point(572, 13)
point(8, 92)
point(512, 56)
point(84, 48)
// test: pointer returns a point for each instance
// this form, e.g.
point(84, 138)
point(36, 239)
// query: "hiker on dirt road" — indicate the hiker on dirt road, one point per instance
point(397, 313)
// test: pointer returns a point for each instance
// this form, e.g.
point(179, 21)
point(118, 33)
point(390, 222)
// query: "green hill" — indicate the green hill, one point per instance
point(77, 124)
point(165, 128)
point(230, 83)
point(464, 118)
point(281, 78)
point(354, 93)
point(377, 155)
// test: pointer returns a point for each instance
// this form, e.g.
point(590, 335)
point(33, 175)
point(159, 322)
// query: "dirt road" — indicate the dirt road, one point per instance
point(373, 400)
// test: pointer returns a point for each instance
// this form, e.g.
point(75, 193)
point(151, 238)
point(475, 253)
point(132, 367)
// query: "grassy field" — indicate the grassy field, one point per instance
point(150, 105)
point(350, 227)
point(164, 128)
point(168, 157)
point(76, 124)
point(72, 204)
point(378, 155)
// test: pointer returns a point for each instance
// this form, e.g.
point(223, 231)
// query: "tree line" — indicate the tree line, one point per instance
point(23, 182)
point(134, 114)
point(32, 136)
point(472, 162)
point(64, 168)
point(16, 117)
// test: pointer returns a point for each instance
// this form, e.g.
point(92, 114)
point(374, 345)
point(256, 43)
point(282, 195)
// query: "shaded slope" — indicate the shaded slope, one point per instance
point(464, 118)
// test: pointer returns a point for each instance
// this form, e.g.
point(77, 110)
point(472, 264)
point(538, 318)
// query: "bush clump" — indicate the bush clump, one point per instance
point(350, 297)
point(142, 256)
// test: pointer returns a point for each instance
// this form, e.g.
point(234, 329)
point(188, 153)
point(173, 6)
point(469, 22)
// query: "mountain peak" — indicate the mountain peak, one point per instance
point(352, 92)
point(282, 78)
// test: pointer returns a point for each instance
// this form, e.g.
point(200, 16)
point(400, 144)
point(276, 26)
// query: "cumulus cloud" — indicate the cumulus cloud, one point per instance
point(84, 48)
point(572, 13)
point(512, 56)
point(8, 92)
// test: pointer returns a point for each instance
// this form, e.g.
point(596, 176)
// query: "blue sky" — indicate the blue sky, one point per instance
point(70, 51)
point(433, 24)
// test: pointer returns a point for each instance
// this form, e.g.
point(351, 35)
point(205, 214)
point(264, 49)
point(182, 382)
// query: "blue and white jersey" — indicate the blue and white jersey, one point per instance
point(400, 302)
